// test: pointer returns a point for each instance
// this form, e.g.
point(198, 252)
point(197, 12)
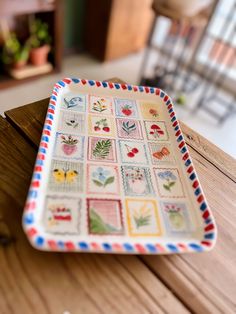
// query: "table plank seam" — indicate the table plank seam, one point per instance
point(214, 288)
point(165, 284)
point(207, 159)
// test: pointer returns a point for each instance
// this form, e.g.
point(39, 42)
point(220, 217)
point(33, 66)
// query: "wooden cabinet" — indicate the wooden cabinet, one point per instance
point(16, 12)
point(115, 28)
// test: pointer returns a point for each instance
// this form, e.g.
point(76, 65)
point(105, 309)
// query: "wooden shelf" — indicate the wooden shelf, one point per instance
point(50, 12)
point(16, 7)
point(6, 81)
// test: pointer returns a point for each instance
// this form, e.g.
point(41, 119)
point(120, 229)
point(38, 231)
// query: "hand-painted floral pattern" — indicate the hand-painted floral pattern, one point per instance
point(154, 113)
point(142, 216)
point(169, 178)
point(102, 177)
point(176, 217)
point(99, 105)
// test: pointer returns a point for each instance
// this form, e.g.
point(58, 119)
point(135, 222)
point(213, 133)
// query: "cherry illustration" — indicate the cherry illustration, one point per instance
point(135, 150)
point(96, 128)
point(131, 151)
point(130, 154)
point(106, 129)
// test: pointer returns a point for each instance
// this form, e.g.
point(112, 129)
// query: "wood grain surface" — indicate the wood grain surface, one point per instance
point(83, 283)
point(40, 282)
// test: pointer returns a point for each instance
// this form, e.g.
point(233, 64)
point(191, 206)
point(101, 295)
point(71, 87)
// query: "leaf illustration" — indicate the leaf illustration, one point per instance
point(102, 149)
point(98, 183)
point(142, 221)
point(171, 184)
point(166, 187)
point(127, 127)
point(70, 124)
point(109, 181)
point(97, 225)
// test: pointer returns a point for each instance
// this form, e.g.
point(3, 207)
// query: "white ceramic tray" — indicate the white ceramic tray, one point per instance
point(113, 174)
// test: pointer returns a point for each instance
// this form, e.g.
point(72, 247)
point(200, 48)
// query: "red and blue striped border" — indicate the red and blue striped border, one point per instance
point(40, 242)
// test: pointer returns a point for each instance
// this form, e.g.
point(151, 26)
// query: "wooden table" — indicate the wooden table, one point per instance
point(41, 282)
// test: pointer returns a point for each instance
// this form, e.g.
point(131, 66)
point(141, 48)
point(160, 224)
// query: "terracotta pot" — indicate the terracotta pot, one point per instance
point(19, 64)
point(39, 56)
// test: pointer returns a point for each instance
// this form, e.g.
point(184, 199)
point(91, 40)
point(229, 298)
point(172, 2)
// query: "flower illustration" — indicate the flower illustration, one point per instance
point(172, 208)
point(102, 178)
point(169, 178)
point(100, 174)
point(72, 122)
point(176, 217)
point(69, 144)
point(136, 180)
point(154, 112)
point(100, 105)
point(142, 216)
point(135, 174)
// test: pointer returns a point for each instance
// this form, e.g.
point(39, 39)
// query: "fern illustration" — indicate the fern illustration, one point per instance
point(102, 149)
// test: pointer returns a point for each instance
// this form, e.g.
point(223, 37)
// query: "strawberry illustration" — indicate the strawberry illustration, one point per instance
point(126, 110)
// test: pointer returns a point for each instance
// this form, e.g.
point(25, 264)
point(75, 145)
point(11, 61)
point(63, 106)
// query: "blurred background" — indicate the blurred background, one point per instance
point(186, 48)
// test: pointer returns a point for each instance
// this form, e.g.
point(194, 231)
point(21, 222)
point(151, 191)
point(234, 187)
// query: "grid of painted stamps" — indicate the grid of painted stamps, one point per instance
point(114, 171)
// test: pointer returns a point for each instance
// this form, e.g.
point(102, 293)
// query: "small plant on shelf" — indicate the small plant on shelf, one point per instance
point(14, 54)
point(39, 41)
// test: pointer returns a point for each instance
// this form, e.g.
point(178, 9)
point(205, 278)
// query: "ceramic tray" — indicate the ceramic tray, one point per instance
point(113, 174)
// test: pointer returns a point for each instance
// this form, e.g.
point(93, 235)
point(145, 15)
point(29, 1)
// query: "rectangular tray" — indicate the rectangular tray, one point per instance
point(113, 174)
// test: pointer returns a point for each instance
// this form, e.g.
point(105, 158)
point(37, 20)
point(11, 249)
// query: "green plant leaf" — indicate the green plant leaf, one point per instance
point(98, 183)
point(171, 183)
point(102, 149)
point(166, 187)
point(142, 221)
point(109, 181)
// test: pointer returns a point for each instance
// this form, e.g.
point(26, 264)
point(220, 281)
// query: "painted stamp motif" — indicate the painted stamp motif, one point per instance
point(103, 179)
point(74, 103)
point(133, 152)
point(62, 214)
point(168, 182)
point(104, 216)
point(66, 176)
point(69, 146)
point(126, 108)
point(101, 149)
point(161, 153)
point(176, 218)
point(101, 125)
point(72, 122)
point(143, 218)
point(136, 181)
point(156, 130)
point(129, 128)
point(101, 105)
point(150, 110)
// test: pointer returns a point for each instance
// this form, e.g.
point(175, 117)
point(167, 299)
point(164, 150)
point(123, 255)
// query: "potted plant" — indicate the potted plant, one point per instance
point(39, 42)
point(15, 54)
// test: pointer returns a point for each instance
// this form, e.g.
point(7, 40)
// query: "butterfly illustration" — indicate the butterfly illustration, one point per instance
point(73, 102)
point(64, 175)
point(162, 153)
